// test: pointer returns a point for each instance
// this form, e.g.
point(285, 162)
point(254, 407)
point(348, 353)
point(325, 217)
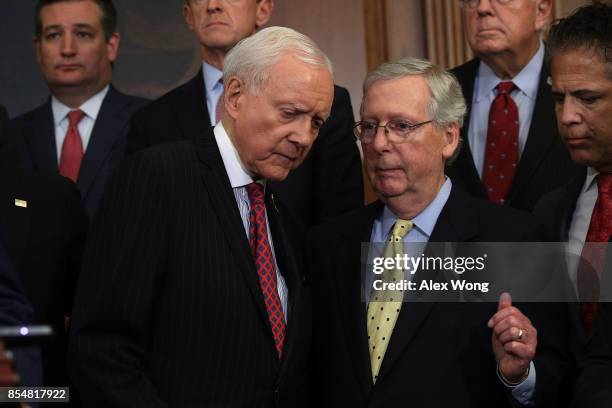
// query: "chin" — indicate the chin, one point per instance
point(275, 174)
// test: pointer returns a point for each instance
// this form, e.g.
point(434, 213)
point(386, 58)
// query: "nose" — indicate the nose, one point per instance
point(68, 45)
point(214, 5)
point(567, 112)
point(484, 7)
point(380, 142)
point(304, 133)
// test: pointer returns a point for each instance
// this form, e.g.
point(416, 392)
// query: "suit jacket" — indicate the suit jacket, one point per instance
point(37, 147)
point(544, 164)
point(169, 310)
point(594, 384)
point(44, 240)
point(556, 209)
point(440, 354)
point(327, 184)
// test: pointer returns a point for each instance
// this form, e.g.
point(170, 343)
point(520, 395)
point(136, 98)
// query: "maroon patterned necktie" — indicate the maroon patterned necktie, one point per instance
point(501, 152)
point(72, 149)
point(264, 261)
point(593, 257)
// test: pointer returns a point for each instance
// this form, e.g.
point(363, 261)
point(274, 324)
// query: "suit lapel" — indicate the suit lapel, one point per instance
point(349, 286)
point(40, 139)
point(15, 220)
point(465, 161)
point(457, 222)
point(568, 204)
point(542, 134)
point(191, 109)
point(223, 202)
point(107, 130)
point(284, 249)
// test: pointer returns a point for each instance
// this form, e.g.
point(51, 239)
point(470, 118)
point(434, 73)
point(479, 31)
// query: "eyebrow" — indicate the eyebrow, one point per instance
point(77, 25)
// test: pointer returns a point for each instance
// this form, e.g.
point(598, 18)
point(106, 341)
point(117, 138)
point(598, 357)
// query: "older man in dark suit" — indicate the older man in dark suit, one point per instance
point(373, 353)
point(193, 290)
point(512, 153)
point(81, 130)
point(327, 184)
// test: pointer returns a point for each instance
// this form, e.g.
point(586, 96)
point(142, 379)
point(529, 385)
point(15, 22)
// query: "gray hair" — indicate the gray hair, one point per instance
point(253, 57)
point(447, 105)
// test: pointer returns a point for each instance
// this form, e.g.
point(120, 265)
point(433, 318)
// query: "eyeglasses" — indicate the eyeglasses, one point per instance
point(397, 131)
point(472, 4)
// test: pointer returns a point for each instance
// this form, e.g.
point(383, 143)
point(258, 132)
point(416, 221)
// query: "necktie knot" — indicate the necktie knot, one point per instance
point(255, 192)
point(506, 87)
point(75, 116)
point(604, 184)
point(400, 229)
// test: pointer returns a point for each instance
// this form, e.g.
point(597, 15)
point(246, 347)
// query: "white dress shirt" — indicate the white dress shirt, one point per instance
point(527, 82)
point(239, 179)
point(91, 108)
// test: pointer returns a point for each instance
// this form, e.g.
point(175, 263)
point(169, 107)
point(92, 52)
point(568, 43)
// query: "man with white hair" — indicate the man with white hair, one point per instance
point(375, 353)
point(193, 290)
point(329, 181)
point(512, 153)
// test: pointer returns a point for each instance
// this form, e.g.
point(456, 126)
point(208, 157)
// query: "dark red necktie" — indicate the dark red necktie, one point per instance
point(264, 261)
point(593, 257)
point(72, 149)
point(501, 152)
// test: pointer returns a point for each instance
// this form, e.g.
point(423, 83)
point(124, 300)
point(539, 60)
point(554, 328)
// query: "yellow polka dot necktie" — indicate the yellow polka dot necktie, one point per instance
point(385, 305)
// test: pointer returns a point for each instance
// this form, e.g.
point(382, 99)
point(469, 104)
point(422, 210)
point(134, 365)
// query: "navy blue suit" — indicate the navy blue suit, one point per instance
point(36, 143)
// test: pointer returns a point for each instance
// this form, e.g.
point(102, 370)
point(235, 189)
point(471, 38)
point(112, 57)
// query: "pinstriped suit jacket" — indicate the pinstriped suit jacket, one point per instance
point(169, 311)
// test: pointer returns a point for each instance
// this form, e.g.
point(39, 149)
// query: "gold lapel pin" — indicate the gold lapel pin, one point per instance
point(21, 203)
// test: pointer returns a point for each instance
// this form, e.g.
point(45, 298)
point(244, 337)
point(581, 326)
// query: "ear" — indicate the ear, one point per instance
point(543, 13)
point(112, 46)
point(264, 12)
point(451, 140)
point(188, 16)
point(232, 96)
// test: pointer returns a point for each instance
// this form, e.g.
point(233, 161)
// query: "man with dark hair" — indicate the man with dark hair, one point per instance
point(108, 19)
point(327, 184)
point(81, 130)
point(580, 212)
point(512, 154)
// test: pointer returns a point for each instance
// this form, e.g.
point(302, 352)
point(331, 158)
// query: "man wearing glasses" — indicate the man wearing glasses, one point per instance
point(512, 154)
point(368, 353)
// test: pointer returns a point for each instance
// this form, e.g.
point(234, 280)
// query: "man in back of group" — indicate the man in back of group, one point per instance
point(512, 153)
point(80, 132)
point(327, 184)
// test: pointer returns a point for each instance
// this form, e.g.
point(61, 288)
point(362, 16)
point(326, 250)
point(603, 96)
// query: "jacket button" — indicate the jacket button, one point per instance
point(276, 394)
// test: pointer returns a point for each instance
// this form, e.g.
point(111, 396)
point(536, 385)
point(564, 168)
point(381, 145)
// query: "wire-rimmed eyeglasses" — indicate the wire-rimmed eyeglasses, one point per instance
point(397, 131)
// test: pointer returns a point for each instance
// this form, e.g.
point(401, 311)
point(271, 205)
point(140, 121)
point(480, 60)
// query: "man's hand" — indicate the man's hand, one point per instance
point(514, 340)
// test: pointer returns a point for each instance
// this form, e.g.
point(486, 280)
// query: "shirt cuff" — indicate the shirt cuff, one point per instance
point(522, 392)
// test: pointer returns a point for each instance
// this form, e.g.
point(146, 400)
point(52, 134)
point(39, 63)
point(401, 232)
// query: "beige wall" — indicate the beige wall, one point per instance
point(337, 27)
point(566, 6)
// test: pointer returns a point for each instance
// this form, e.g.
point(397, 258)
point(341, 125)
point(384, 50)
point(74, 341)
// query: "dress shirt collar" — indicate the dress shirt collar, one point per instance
point(91, 107)
point(212, 75)
point(237, 173)
point(426, 220)
point(590, 181)
point(526, 81)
